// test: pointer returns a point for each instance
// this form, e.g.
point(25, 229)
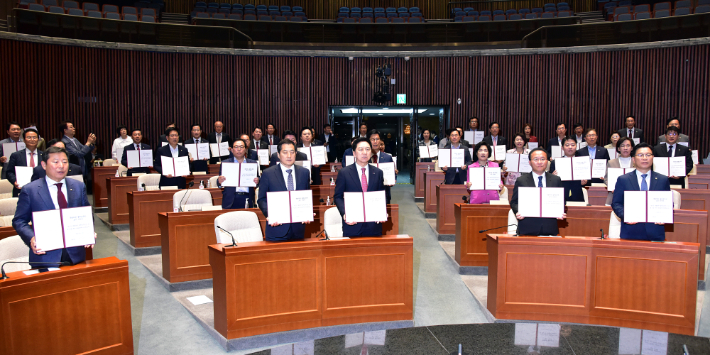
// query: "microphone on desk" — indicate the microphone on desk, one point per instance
point(490, 229)
point(602, 230)
point(234, 243)
point(143, 186)
point(191, 184)
point(464, 198)
point(324, 233)
point(55, 263)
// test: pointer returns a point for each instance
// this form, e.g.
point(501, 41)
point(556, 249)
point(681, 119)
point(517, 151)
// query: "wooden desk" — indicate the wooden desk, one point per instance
point(99, 175)
point(325, 177)
point(419, 170)
point(184, 238)
point(6, 232)
point(690, 226)
point(618, 283)
point(702, 169)
point(597, 195)
point(85, 308)
point(322, 192)
point(263, 287)
point(447, 196)
point(143, 209)
point(431, 180)
point(699, 182)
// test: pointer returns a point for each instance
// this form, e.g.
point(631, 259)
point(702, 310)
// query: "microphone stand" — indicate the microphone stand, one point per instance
point(490, 229)
point(324, 233)
point(191, 184)
point(602, 237)
point(234, 243)
point(4, 275)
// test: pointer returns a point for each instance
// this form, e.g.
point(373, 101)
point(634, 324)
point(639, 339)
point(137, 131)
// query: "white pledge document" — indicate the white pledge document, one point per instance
point(273, 148)
point(306, 151)
point(498, 152)
point(473, 137)
point(484, 178)
point(517, 163)
point(637, 141)
point(290, 206)
point(139, 158)
point(175, 166)
point(613, 175)
point(575, 168)
point(648, 206)
point(452, 157)
point(23, 175)
point(541, 202)
point(669, 166)
point(239, 174)
point(387, 172)
point(581, 145)
point(263, 156)
point(9, 148)
point(64, 228)
point(533, 145)
point(318, 155)
point(365, 206)
point(219, 150)
point(428, 151)
point(349, 160)
point(304, 163)
point(199, 151)
point(556, 151)
point(598, 168)
point(613, 154)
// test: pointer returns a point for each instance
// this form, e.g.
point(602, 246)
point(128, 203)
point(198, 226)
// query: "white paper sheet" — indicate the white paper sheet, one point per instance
point(78, 225)
point(302, 205)
point(306, 151)
point(654, 343)
point(533, 145)
point(613, 154)
point(629, 341)
point(349, 160)
point(219, 150)
point(9, 148)
point(273, 148)
point(685, 144)
point(581, 145)
point(198, 300)
point(553, 202)
point(563, 167)
point(468, 136)
point(354, 207)
point(498, 153)
point(264, 156)
point(548, 335)
point(290, 206)
point(598, 168)
point(365, 207)
point(80, 178)
point(376, 337)
point(613, 174)
point(556, 151)
point(305, 164)
point(444, 158)
point(525, 334)
point(248, 172)
point(139, 158)
point(231, 172)
point(484, 178)
point(548, 203)
point(581, 168)
point(428, 151)
point(658, 207)
point(669, 166)
point(637, 141)
point(696, 156)
point(23, 175)
point(199, 151)
point(319, 155)
point(47, 226)
point(517, 163)
point(388, 172)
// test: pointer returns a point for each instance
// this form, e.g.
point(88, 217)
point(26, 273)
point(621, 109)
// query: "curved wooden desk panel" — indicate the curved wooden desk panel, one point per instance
point(446, 197)
point(267, 287)
point(431, 180)
point(83, 308)
point(419, 171)
point(99, 175)
point(699, 181)
point(646, 285)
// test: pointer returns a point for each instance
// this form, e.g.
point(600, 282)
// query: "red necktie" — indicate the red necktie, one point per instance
point(32, 159)
point(363, 181)
point(374, 158)
point(271, 140)
point(61, 200)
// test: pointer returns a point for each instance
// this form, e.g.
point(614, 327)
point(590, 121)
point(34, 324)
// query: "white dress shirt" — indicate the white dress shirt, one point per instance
point(648, 178)
point(218, 136)
point(175, 152)
point(536, 177)
point(285, 174)
point(33, 157)
point(625, 162)
point(367, 173)
point(118, 145)
point(327, 137)
point(53, 190)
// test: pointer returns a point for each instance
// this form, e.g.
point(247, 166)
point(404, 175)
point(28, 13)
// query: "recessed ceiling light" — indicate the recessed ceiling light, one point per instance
point(380, 114)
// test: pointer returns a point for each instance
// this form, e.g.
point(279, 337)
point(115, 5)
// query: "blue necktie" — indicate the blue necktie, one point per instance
point(539, 181)
point(644, 185)
point(670, 151)
point(290, 180)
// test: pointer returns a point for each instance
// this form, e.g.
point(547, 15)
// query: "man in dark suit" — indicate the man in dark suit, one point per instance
point(641, 179)
point(289, 135)
point(164, 137)
point(307, 140)
point(330, 142)
point(251, 153)
point(348, 152)
point(171, 150)
point(537, 178)
point(137, 136)
point(456, 175)
point(671, 149)
point(379, 156)
point(287, 176)
point(270, 136)
point(28, 157)
point(52, 192)
point(216, 137)
point(14, 133)
point(258, 141)
point(359, 177)
point(494, 138)
point(236, 197)
point(195, 164)
point(40, 173)
point(675, 122)
point(573, 188)
point(593, 151)
point(82, 152)
point(561, 131)
point(631, 131)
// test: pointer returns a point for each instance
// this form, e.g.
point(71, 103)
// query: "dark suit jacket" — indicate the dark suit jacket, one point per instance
point(332, 144)
point(197, 165)
point(639, 231)
point(347, 152)
point(40, 173)
point(275, 157)
point(164, 151)
point(35, 197)
point(212, 138)
point(229, 192)
point(263, 144)
point(124, 159)
point(19, 158)
point(553, 141)
point(81, 153)
point(265, 138)
point(272, 179)
point(530, 225)
point(573, 189)
point(451, 171)
point(501, 141)
point(349, 181)
point(661, 151)
point(638, 133)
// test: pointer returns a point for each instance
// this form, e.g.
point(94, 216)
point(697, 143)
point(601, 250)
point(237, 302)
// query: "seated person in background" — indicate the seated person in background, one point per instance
point(39, 173)
point(482, 151)
point(195, 164)
point(425, 141)
point(285, 177)
point(237, 197)
point(137, 137)
point(359, 177)
point(537, 178)
point(675, 122)
point(379, 155)
point(592, 150)
point(671, 149)
point(456, 175)
point(561, 131)
point(519, 141)
point(573, 188)
point(164, 137)
point(172, 150)
point(625, 160)
point(641, 179)
point(330, 142)
point(289, 135)
point(613, 139)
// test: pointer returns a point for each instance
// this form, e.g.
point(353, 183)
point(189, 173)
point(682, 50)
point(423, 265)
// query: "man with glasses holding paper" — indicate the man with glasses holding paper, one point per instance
point(216, 138)
point(593, 151)
point(358, 181)
point(54, 192)
point(454, 174)
point(23, 162)
point(541, 179)
point(14, 133)
point(137, 137)
point(672, 149)
point(573, 188)
point(237, 197)
point(201, 155)
point(642, 179)
point(171, 150)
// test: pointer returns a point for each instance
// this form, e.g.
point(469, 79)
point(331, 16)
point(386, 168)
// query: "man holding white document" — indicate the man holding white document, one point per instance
point(564, 168)
point(138, 150)
point(642, 179)
point(285, 177)
point(549, 203)
point(55, 192)
point(172, 152)
point(238, 194)
point(360, 194)
point(454, 167)
point(683, 161)
point(22, 163)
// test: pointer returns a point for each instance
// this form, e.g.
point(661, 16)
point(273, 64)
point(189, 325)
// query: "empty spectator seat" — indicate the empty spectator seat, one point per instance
point(642, 15)
point(235, 17)
point(662, 6)
point(301, 14)
point(458, 18)
point(621, 10)
point(530, 16)
point(702, 9)
point(273, 8)
point(264, 18)
point(149, 12)
point(109, 8)
point(201, 15)
point(148, 18)
point(642, 8)
point(419, 14)
point(297, 9)
point(468, 19)
point(562, 4)
point(472, 13)
point(397, 20)
point(537, 10)
point(90, 6)
point(75, 12)
point(70, 4)
point(622, 17)
point(626, 3)
point(390, 9)
point(524, 11)
point(261, 12)
point(236, 7)
point(486, 12)
point(237, 12)
point(661, 13)
point(261, 8)
point(415, 19)
point(129, 10)
point(402, 9)
point(250, 7)
point(285, 8)
point(564, 8)
point(498, 12)
point(564, 14)
point(460, 13)
point(296, 18)
point(404, 14)
point(344, 9)
point(348, 20)
point(379, 9)
point(201, 4)
point(112, 15)
point(36, 7)
point(134, 17)
point(249, 12)
point(55, 10)
point(366, 19)
point(548, 14)
point(380, 14)
point(214, 5)
point(356, 14)
point(484, 17)
point(225, 5)
point(217, 15)
point(382, 20)
point(414, 9)
point(92, 13)
point(515, 17)
point(681, 11)
point(500, 17)
point(511, 11)
point(391, 15)
point(356, 10)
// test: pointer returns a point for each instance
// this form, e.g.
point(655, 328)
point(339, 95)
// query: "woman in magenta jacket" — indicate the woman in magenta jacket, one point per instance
point(481, 152)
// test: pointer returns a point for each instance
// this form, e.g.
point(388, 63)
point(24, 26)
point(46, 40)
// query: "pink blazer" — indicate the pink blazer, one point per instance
point(483, 196)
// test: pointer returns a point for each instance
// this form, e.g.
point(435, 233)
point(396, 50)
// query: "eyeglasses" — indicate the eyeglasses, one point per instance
point(538, 160)
point(672, 134)
point(644, 155)
point(591, 135)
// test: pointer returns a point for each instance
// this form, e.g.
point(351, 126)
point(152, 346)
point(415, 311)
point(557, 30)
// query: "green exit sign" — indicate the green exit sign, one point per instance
point(401, 98)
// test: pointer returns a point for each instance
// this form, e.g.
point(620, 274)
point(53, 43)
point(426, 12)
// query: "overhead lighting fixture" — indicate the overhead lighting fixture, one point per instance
point(381, 110)
point(349, 110)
